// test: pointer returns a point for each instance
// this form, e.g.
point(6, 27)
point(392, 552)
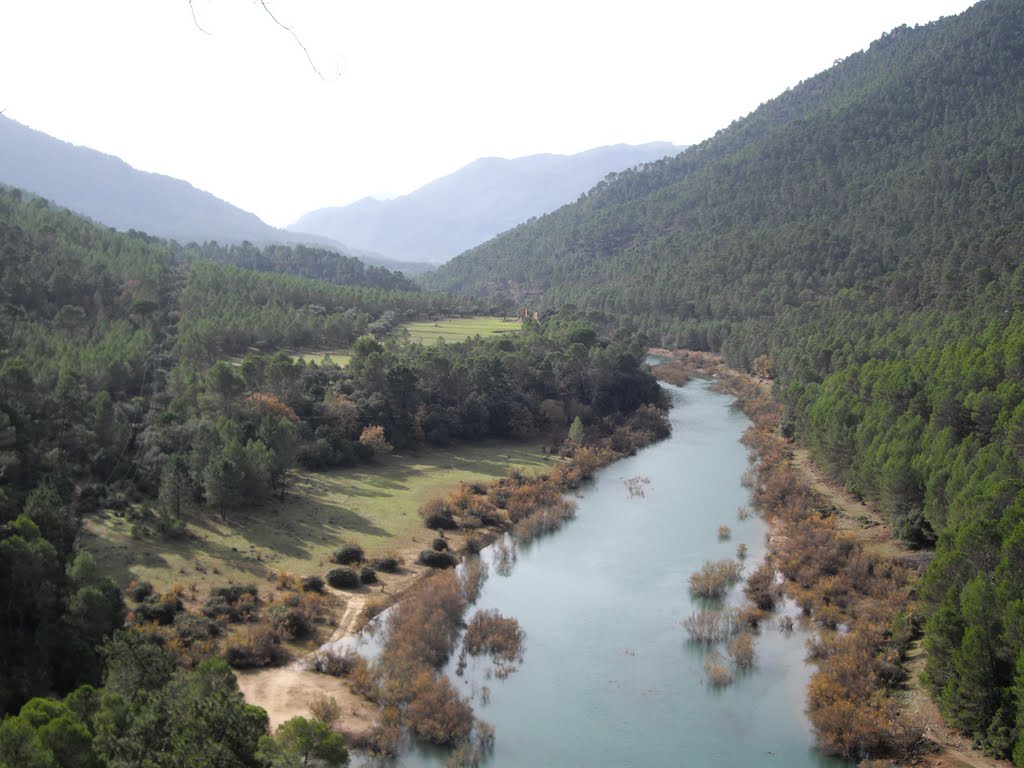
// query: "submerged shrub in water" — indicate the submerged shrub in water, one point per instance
point(714, 578)
point(709, 626)
point(718, 672)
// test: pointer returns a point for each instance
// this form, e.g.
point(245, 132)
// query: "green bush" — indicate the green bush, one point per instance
point(261, 650)
point(435, 559)
point(235, 592)
point(439, 545)
point(140, 591)
point(312, 584)
point(291, 621)
point(386, 564)
point(348, 554)
point(343, 578)
point(159, 609)
point(367, 575)
point(191, 628)
point(438, 515)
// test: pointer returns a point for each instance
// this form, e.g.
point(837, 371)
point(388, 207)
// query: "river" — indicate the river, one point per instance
point(609, 677)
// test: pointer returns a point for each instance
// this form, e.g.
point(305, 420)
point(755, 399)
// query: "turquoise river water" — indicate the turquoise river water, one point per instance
point(608, 676)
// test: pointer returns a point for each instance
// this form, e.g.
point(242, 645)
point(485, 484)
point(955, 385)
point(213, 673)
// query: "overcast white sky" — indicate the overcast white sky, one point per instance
point(412, 90)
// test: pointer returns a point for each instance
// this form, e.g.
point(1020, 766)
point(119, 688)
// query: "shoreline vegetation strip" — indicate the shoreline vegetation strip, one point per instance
point(860, 601)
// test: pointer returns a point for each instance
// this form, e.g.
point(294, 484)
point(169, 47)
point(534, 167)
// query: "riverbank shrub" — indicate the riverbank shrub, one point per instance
point(438, 515)
point(761, 587)
point(544, 521)
point(335, 662)
point(160, 609)
point(324, 708)
point(495, 635)
point(294, 616)
point(434, 559)
point(436, 712)
point(343, 578)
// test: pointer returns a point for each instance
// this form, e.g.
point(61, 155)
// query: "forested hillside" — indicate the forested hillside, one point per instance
point(864, 230)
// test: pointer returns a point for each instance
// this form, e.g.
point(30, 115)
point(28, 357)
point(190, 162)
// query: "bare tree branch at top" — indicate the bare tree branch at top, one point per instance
point(194, 19)
point(291, 32)
point(277, 21)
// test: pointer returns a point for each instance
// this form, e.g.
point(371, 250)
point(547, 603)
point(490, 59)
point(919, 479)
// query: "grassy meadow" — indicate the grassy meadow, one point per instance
point(374, 506)
point(452, 330)
point(456, 329)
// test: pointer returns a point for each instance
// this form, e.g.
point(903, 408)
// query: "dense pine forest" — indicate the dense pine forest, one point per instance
point(140, 375)
point(864, 230)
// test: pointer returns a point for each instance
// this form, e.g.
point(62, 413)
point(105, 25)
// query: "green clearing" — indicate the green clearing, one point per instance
point(456, 329)
point(452, 330)
point(340, 357)
point(374, 506)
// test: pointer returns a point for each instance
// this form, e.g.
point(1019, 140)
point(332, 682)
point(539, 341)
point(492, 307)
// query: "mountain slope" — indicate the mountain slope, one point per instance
point(488, 196)
point(854, 174)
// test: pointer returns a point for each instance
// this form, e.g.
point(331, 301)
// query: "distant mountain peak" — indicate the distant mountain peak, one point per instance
point(487, 196)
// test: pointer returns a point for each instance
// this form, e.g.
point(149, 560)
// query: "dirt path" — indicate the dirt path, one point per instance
point(284, 692)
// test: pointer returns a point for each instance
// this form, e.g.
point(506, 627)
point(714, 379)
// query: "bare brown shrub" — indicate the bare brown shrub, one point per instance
point(709, 626)
point(714, 578)
point(424, 625)
point(324, 708)
point(437, 514)
point(544, 521)
point(471, 578)
point(335, 663)
point(254, 647)
point(495, 635)
point(436, 712)
point(718, 672)
point(761, 588)
point(741, 650)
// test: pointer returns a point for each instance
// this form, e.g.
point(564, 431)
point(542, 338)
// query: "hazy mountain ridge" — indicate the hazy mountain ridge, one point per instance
point(490, 195)
point(108, 190)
